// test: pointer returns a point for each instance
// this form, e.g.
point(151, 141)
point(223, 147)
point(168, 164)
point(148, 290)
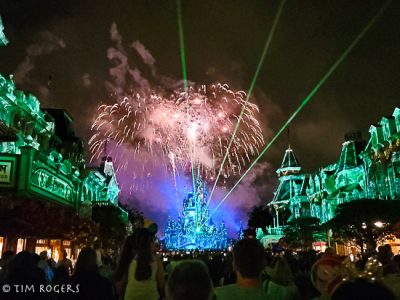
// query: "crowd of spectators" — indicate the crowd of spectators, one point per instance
point(247, 272)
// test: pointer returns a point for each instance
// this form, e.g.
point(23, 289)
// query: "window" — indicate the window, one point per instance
point(39, 249)
point(1, 245)
point(21, 245)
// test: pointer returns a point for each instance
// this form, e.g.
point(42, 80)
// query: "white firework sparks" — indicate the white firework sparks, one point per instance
point(193, 126)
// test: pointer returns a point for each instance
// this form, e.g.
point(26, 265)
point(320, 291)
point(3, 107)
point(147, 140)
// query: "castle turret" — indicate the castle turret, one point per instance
point(195, 229)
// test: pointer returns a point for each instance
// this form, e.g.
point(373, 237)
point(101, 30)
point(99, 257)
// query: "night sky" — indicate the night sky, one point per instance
point(68, 40)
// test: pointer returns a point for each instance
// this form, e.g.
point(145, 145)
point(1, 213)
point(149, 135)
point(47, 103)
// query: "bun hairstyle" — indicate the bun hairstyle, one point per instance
point(151, 226)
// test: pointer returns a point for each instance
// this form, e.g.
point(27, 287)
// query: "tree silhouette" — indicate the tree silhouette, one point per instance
point(365, 221)
point(302, 232)
point(259, 217)
point(113, 229)
point(135, 216)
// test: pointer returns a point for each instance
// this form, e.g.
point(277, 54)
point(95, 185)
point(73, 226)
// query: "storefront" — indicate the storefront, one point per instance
point(55, 248)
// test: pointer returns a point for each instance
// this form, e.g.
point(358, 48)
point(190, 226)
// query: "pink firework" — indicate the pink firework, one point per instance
point(187, 127)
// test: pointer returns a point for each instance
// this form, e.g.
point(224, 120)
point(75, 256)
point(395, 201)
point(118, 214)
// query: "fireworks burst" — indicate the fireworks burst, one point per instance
point(192, 126)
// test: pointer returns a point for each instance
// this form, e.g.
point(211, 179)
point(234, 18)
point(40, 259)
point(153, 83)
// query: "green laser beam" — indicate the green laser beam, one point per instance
point(306, 100)
point(184, 75)
point(249, 93)
point(182, 44)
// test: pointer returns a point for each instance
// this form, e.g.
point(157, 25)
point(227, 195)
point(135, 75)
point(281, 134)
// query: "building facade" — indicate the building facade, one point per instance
point(46, 190)
point(364, 170)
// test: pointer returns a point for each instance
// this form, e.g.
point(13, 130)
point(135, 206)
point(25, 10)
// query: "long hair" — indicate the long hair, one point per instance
point(87, 262)
point(144, 256)
point(128, 253)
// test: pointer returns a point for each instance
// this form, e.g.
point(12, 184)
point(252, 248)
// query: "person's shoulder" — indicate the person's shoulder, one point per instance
point(233, 292)
point(227, 287)
point(92, 278)
point(225, 290)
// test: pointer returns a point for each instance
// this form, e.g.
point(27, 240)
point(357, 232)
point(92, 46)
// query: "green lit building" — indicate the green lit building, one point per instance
point(46, 190)
point(364, 170)
point(3, 39)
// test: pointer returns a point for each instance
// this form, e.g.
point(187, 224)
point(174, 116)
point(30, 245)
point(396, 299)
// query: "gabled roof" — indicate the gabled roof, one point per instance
point(387, 118)
point(289, 163)
point(373, 126)
point(296, 185)
point(349, 157)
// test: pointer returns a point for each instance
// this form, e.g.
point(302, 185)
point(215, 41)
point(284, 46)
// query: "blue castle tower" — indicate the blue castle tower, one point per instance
point(194, 229)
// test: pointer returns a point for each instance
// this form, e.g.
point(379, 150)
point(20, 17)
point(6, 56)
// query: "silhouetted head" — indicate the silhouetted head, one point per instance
point(281, 273)
point(43, 255)
point(361, 289)
point(23, 269)
point(8, 255)
point(248, 258)
point(189, 280)
point(128, 253)
point(86, 262)
point(24, 261)
point(388, 248)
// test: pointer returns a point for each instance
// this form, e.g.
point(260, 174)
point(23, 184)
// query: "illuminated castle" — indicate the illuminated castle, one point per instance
point(194, 229)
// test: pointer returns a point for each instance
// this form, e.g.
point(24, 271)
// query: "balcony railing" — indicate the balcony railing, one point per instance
point(275, 230)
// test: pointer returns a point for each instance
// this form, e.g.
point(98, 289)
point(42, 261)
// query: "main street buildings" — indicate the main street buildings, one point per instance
point(364, 170)
point(46, 190)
